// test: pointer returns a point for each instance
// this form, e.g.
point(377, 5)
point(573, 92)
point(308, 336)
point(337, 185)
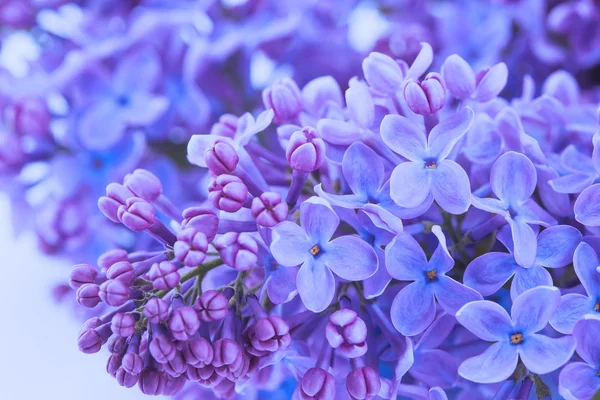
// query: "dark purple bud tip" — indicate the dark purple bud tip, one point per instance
point(305, 151)
point(117, 344)
point(114, 293)
point(137, 214)
point(164, 275)
point(205, 376)
point(162, 348)
point(122, 271)
point(198, 352)
point(229, 359)
point(227, 126)
point(116, 196)
point(132, 363)
point(363, 384)
point(347, 332)
point(88, 295)
point(203, 219)
point(222, 158)
point(156, 310)
point(284, 97)
point(123, 324)
point(143, 184)
point(175, 367)
point(237, 250)
point(426, 97)
point(269, 335)
point(113, 364)
point(183, 323)
point(269, 209)
point(227, 193)
point(212, 306)
point(82, 274)
point(316, 384)
point(152, 382)
point(106, 260)
point(191, 247)
point(125, 378)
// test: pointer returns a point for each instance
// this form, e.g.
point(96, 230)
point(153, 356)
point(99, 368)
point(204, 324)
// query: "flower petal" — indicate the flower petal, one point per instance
point(532, 213)
point(572, 308)
point(486, 320)
point(452, 295)
point(318, 220)
point(459, 77)
point(557, 204)
point(197, 146)
point(422, 62)
point(492, 83)
point(410, 184)
point(532, 310)
point(542, 354)
point(363, 169)
point(405, 259)
point(578, 381)
point(436, 393)
point(101, 126)
point(447, 133)
point(435, 368)
point(281, 285)
point(509, 126)
point(489, 272)
point(437, 332)
point(441, 260)
point(587, 335)
point(404, 137)
point(316, 285)
point(350, 258)
point(585, 262)
point(138, 72)
point(351, 201)
point(490, 205)
point(525, 242)
point(529, 278)
point(495, 364)
point(587, 206)
point(413, 309)
point(556, 245)
point(290, 245)
point(375, 285)
point(513, 178)
point(572, 183)
point(450, 187)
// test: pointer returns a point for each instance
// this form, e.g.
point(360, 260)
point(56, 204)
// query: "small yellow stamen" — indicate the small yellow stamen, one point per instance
point(598, 373)
point(597, 306)
point(517, 338)
point(315, 250)
point(431, 275)
point(431, 165)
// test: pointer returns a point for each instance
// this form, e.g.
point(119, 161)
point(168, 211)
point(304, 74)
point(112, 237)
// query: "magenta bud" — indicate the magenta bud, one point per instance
point(237, 250)
point(106, 260)
point(87, 295)
point(183, 323)
point(116, 196)
point(117, 344)
point(227, 126)
point(197, 352)
point(305, 151)
point(203, 219)
point(191, 247)
point(426, 97)
point(175, 367)
point(206, 376)
point(113, 364)
point(347, 332)
point(122, 271)
point(114, 293)
point(164, 275)
point(91, 340)
point(82, 274)
point(162, 348)
point(222, 158)
point(269, 209)
point(123, 325)
point(143, 184)
point(132, 363)
point(212, 306)
point(363, 384)
point(284, 97)
point(91, 323)
point(152, 382)
point(268, 335)
point(229, 359)
point(382, 73)
point(227, 193)
point(125, 378)
point(316, 384)
point(156, 310)
point(137, 214)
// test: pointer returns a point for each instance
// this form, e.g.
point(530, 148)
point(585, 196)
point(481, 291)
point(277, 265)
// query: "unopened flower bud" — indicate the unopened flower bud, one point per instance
point(203, 220)
point(227, 193)
point(382, 73)
point(114, 293)
point(125, 378)
point(284, 97)
point(117, 344)
point(305, 151)
point(173, 385)
point(113, 364)
point(347, 332)
point(197, 352)
point(175, 367)
point(122, 271)
point(161, 347)
point(227, 126)
point(268, 335)
point(183, 320)
point(156, 310)
point(152, 382)
point(426, 97)
point(191, 247)
point(222, 158)
point(316, 384)
point(363, 384)
point(143, 184)
point(229, 359)
point(212, 306)
point(269, 209)
point(87, 295)
point(132, 363)
point(237, 250)
point(137, 214)
point(116, 196)
point(106, 260)
point(164, 275)
point(91, 340)
point(82, 274)
point(123, 325)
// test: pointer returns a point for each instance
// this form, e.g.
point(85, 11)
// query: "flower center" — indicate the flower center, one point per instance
point(597, 306)
point(316, 250)
point(431, 275)
point(430, 164)
point(516, 338)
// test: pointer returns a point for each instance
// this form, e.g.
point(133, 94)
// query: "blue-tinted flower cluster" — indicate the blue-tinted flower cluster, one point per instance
point(412, 215)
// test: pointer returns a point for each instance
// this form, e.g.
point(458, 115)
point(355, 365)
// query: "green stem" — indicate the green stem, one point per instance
point(199, 270)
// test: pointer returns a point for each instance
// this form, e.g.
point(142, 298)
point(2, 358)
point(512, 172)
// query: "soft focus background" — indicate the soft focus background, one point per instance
point(35, 326)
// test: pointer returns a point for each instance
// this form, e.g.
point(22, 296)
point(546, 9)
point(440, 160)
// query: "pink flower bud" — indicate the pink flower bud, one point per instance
point(305, 151)
point(87, 295)
point(269, 209)
point(164, 275)
point(363, 384)
point(203, 220)
point(284, 97)
point(114, 293)
point(122, 271)
point(191, 247)
point(156, 310)
point(137, 214)
point(143, 184)
point(426, 97)
point(82, 274)
point(123, 325)
point(227, 193)
point(211, 306)
point(221, 158)
point(227, 126)
point(116, 196)
point(237, 250)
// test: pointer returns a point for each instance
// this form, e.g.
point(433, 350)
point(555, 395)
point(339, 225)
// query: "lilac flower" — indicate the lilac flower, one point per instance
point(319, 257)
point(413, 308)
point(513, 179)
point(514, 336)
point(580, 380)
point(462, 82)
point(555, 248)
point(428, 175)
point(574, 306)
